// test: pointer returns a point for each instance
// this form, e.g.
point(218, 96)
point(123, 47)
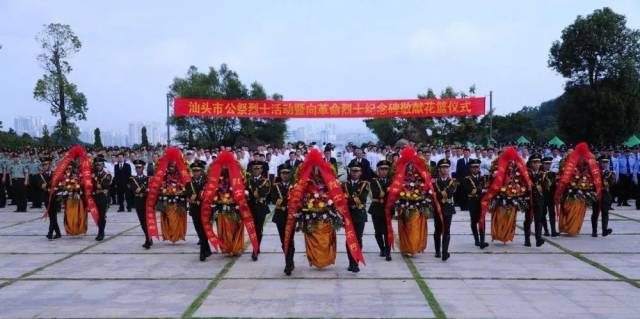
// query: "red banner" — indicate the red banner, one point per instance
point(329, 109)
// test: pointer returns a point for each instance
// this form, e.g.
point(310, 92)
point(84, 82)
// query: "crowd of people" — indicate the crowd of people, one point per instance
point(409, 183)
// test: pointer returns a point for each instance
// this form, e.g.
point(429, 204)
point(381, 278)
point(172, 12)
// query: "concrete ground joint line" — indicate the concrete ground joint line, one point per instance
point(196, 303)
point(59, 260)
point(592, 263)
point(20, 223)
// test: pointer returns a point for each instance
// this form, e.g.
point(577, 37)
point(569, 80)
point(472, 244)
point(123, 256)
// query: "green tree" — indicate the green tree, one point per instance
point(427, 129)
point(223, 83)
point(97, 138)
point(46, 138)
point(144, 139)
point(59, 44)
point(600, 57)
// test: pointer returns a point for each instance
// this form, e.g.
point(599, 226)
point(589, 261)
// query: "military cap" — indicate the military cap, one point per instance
point(603, 159)
point(255, 164)
point(138, 162)
point(444, 163)
point(547, 159)
point(383, 164)
point(284, 168)
point(197, 165)
point(535, 157)
point(355, 166)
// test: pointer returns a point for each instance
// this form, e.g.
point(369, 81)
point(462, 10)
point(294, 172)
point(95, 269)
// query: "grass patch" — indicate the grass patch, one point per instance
point(426, 291)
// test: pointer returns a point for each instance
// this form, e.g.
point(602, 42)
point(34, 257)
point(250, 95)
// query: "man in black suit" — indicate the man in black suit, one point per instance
point(293, 161)
point(122, 172)
point(363, 163)
point(328, 158)
point(462, 171)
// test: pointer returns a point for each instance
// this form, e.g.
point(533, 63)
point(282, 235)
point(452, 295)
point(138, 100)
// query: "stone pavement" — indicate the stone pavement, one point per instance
point(77, 277)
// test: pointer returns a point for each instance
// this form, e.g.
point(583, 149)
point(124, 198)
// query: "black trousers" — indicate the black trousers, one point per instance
point(601, 208)
point(113, 194)
point(437, 225)
point(52, 213)
point(380, 230)
point(102, 201)
point(3, 195)
point(124, 195)
point(194, 211)
point(624, 188)
point(288, 257)
point(536, 219)
point(549, 210)
point(259, 213)
point(475, 211)
point(20, 195)
point(141, 211)
point(358, 228)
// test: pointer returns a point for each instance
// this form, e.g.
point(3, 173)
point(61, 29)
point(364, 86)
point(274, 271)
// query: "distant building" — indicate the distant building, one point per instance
point(31, 125)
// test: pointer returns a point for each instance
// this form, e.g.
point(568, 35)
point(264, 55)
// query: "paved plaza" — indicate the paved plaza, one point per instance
point(77, 277)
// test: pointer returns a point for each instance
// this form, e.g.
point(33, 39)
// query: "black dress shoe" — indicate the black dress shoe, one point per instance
point(350, 268)
point(608, 232)
point(254, 257)
point(594, 234)
point(146, 245)
point(555, 234)
point(527, 243)
point(483, 245)
point(382, 254)
point(287, 271)
point(356, 269)
point(202, 256)
point(100, 237)
point(437, 255)
point(388, 257)
point(445, 256)
point(477, 243)
point(539, 242)
point(57, 235)
point(546, 234)
point(50, 236)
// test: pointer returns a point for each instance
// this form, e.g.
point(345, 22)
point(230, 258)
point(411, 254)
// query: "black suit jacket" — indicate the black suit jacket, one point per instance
point(122, 175)
point(295, 163)
point(462, 169)
point(367, 172)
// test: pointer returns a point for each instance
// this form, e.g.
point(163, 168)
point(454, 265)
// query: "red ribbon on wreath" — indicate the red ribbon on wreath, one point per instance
point(408, 155)
point(172, 154)
point(86, 179)
point(227, 160)
point(335, 193)
point(508, 155)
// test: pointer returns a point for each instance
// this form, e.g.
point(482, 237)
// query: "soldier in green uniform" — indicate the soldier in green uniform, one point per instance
point(259, 188)
point(139, 186)
point(537, 197)
point(379, 189)
point(475, 185)
point(193, 193)
point(33, 190)
point(445, 188)
point(280, 198)
point(357, 191)
point(608, 180)
point(101, 183)
point(19, 174)
point(3, 180)
point(549, 189)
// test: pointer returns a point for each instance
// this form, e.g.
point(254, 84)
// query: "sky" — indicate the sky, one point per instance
point(304, 50)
